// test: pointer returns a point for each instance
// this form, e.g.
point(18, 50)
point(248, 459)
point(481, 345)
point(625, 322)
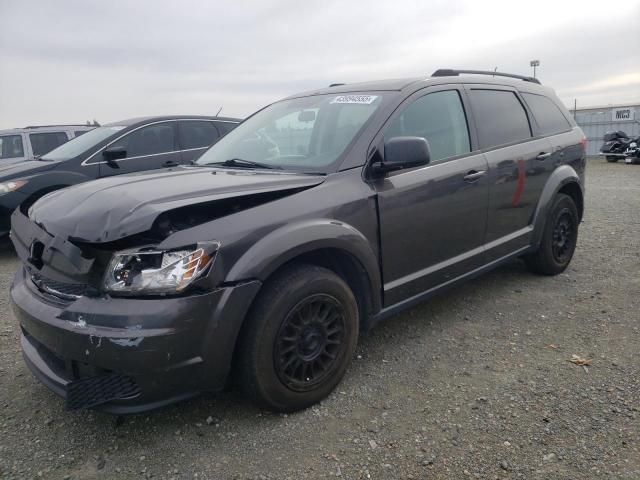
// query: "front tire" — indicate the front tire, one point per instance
point(611, 158)
point(299, 338)
point(558, 239)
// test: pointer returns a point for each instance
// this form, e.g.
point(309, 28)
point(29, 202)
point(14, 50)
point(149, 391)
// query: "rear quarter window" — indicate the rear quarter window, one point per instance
point(500, 117)
point(547, 114)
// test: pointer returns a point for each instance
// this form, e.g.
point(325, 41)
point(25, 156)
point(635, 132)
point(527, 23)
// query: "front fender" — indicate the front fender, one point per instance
point(560, 177)
point(292, 240)
point(42, 184)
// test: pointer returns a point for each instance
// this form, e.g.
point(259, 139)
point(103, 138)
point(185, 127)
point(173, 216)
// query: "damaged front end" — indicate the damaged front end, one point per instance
point(126, 325)
point(124, 343)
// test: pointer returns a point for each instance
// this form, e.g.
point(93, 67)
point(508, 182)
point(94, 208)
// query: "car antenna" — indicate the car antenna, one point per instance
point(218, 114)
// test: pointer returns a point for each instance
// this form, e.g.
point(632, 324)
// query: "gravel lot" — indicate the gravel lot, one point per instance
point(476, 383)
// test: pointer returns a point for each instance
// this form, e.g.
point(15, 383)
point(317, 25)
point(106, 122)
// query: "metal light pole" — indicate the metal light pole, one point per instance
point(534, 64)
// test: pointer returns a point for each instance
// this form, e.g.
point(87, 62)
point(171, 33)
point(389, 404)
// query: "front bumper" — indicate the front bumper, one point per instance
point(130, 354)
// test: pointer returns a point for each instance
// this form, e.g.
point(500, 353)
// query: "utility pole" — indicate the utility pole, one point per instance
point(534, 64)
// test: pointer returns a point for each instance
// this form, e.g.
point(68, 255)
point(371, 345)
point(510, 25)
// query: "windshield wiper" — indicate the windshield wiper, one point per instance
point(242, 163)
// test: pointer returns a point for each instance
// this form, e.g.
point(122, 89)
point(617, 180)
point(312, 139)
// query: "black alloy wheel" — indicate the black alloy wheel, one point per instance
point(309, 342)
point(298, 339)
point(564, 236)
point(559, 238)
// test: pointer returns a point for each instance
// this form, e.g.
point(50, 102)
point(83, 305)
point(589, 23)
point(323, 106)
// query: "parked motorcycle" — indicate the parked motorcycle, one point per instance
point(632, 153)
point(615, 145)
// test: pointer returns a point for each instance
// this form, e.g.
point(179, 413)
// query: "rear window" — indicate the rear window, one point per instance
point(42, 143)
point(500, 117)
point(547, 114)
point(77, 133)
point(11, 146)
point(197, 134)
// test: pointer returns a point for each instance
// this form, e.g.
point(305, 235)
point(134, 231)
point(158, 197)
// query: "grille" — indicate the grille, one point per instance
point(66, 291)
point(93, 391)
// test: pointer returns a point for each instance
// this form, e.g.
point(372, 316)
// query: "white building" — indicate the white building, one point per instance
point(595, 121)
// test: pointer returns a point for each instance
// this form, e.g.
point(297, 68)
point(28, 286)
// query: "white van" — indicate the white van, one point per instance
point(18, 144)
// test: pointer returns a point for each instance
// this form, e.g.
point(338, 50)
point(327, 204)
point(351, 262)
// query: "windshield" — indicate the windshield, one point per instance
point(303, 134)
point(81, 144)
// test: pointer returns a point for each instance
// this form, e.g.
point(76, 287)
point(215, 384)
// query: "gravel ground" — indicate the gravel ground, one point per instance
point(476, 383)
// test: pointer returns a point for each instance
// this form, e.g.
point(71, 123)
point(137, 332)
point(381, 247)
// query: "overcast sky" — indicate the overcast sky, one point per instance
point(70, 61)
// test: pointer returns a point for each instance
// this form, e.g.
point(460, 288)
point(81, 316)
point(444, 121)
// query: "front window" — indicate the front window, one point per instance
point(438, 118)
point(303, 134)
point(150, 140)
point(79, 145)
point(11, 146)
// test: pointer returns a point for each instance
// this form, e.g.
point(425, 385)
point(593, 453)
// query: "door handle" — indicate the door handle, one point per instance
point(474, 175)
point(170, 163)
point(543, 155)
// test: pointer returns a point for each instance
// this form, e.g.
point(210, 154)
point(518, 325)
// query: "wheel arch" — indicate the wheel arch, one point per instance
point(333, 245)
point(563, 180)
point(48, 182)
point(328, 243)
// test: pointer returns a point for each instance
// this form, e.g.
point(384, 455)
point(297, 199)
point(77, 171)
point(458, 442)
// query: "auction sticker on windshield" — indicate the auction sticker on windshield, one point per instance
point(361, 99)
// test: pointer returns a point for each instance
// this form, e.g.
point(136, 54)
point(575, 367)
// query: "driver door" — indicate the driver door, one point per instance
point(432, 218)
point(149, 147)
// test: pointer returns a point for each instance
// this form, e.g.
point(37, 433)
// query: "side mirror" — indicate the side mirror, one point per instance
point(404, 152)
point(111, 154)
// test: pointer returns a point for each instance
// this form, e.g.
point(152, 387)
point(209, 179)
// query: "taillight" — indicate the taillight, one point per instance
point(583, 142)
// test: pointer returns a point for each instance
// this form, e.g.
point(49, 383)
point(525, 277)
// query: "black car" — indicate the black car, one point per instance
point(313, 220)
point(113, 149)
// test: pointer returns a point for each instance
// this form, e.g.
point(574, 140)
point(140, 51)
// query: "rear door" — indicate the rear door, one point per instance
point(195, 137)
point(552, 123)
point(432, 218)
point(519, 165)
point(147, 147)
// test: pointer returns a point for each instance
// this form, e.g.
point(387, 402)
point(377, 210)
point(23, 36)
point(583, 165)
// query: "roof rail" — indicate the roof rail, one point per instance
point(447, 72)
point(335, 85)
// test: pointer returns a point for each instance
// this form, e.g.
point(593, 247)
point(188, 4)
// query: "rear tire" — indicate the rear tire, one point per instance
point(558, 238)
point(299, 338)
point(611, 158)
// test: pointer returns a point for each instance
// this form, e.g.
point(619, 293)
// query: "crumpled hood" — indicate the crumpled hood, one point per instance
point(116, 207)
point(23, 169)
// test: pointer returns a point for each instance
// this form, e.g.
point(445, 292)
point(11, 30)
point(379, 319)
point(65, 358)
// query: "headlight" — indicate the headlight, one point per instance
point(157, 272)
point(7, 187)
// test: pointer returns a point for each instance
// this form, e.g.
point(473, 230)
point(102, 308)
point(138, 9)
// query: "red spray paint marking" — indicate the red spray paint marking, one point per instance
point(520, 187)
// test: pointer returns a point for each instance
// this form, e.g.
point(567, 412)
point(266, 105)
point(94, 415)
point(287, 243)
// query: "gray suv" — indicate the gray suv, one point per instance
point(317, 217)
point(19, 144)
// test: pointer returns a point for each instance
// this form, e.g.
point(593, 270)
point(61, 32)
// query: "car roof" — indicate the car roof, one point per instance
point(415, 83)
point(46, 128)
point(141, 120)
